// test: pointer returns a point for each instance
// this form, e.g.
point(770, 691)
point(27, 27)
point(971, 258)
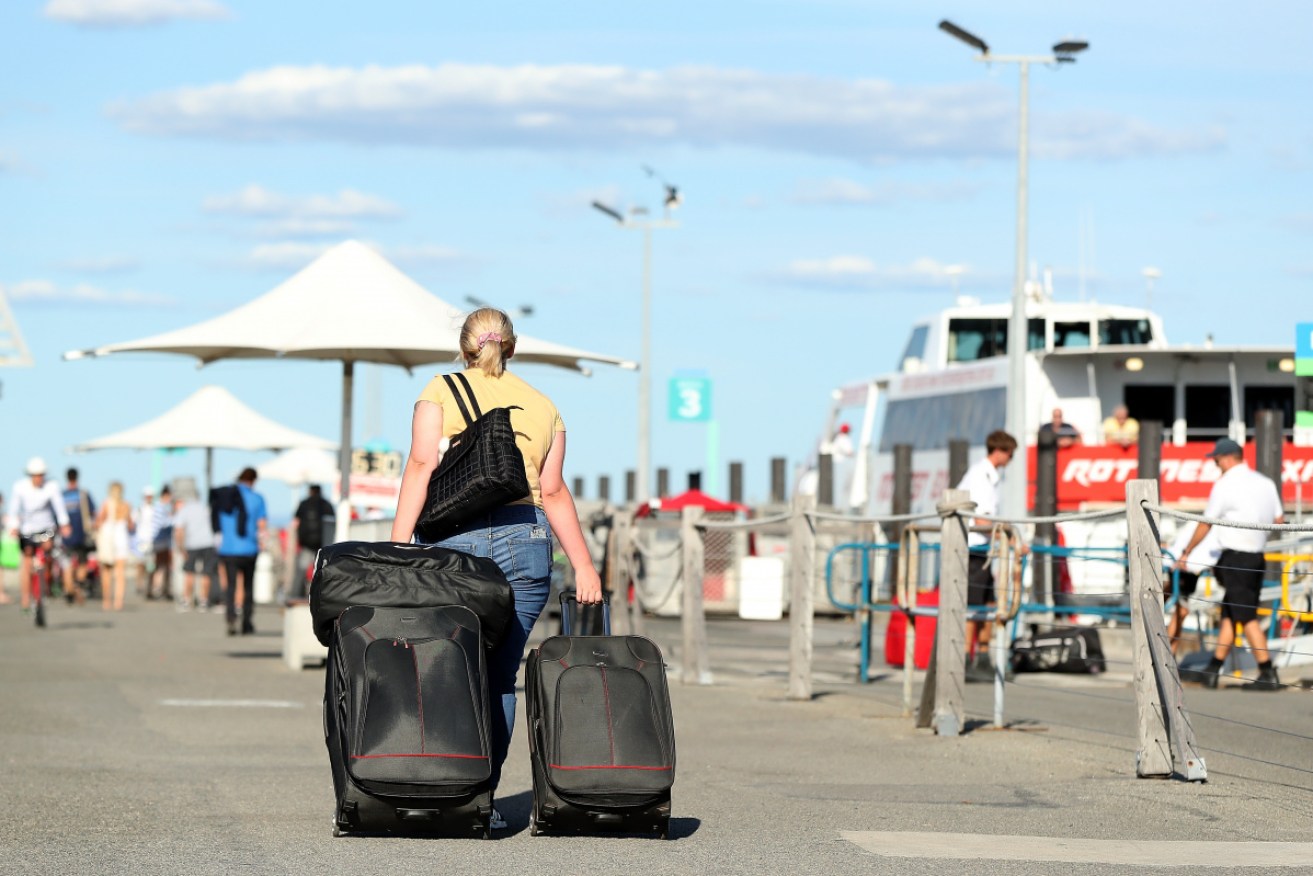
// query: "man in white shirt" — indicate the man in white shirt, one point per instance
point(1244, 496)
point(982, 482)
point(194, 535)
point(36, 510)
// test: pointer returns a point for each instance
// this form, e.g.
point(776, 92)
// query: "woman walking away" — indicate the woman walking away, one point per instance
point(518, 536)
point(113, 525)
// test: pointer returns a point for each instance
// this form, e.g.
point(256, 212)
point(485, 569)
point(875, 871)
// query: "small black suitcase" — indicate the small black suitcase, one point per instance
point(406, 720)
point(601, 733)
point(1060, 649)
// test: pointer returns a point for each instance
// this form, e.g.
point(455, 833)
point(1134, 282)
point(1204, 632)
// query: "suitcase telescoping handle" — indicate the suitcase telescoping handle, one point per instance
point(570, 605)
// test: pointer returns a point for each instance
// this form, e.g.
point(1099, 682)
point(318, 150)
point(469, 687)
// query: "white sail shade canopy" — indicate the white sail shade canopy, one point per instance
point(349, 305)
point(208, 418)
point(302, 465)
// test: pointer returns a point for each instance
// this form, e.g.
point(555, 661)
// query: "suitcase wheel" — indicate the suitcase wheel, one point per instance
point(534, 829)
point(663, 829)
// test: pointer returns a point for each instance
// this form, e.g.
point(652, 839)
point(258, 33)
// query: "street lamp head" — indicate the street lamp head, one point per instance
point(1066, 49)
point(965, 36)
point(614, 214)
point(673, 197)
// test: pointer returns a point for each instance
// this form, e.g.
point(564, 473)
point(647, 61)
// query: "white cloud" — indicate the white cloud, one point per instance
point(294, 255)
point(132, 13)
point(100, 265)
point(591, 107)
point(47, 292)
point(256, 200)
point(851, 192)
point(844, 272)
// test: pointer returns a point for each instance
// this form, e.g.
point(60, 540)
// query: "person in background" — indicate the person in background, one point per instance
point(517, 536)
point(241, 519)
point(80, 542)
point(4, 594)
point(1121, 428)
point(313, 518)
point(161, 579)
point(193, 534)
point(36, 511)
point(1067, 434)
point(1204, 557)
point(114, 525)
point(982, 482)
point(1241, 495)
point(143, 540)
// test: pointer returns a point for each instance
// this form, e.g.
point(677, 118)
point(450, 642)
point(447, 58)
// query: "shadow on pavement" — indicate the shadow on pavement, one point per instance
point(248, 655)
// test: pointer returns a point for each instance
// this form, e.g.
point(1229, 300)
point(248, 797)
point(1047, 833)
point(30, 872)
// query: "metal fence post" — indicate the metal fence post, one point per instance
point(950, 636)
point(617, 572)
point(696, 669)
point(1163, 724)
point(802, 569)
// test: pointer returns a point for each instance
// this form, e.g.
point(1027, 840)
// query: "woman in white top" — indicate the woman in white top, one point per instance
point(113, 526)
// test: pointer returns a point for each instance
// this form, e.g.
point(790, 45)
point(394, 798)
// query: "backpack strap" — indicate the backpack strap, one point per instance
point(460, 402)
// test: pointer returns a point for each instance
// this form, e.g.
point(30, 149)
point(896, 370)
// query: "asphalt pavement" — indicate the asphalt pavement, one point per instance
point(148, 741)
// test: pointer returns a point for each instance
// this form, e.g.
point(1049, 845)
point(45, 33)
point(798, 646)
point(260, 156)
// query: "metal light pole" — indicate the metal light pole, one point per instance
point(1014, 497)
point(638, 218)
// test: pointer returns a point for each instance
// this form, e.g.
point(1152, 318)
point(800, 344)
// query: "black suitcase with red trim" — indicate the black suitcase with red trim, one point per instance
point(601, 733)
point(406, 721)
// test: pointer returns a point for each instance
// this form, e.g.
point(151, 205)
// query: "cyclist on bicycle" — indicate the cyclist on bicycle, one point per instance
point(36, 510)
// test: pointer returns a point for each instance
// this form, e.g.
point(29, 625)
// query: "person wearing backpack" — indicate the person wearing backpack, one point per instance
point(239, 517)
point(314, 516)
point(517, 536)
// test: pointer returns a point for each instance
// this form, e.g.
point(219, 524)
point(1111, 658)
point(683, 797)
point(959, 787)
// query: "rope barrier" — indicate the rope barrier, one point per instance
point(1057, 518)
point(722, 525)
point(847, 518)
point(1233, 524)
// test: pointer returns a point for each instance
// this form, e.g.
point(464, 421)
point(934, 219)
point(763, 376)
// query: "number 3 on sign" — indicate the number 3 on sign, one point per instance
point(690, 399)
point(690, 403)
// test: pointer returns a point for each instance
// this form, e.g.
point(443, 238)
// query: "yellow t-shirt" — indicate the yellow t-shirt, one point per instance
point(535, 426)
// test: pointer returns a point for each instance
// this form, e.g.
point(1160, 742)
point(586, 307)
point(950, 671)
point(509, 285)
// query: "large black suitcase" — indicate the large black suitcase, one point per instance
point(601, 733)
point(406, 722)
point(385, 573)
point(1060, 649)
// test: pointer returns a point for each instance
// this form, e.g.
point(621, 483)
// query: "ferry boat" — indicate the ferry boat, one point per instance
point(1085, 358)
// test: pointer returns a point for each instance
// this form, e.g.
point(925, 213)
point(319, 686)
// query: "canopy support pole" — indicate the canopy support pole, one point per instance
point(344, 451)
point(209, 470)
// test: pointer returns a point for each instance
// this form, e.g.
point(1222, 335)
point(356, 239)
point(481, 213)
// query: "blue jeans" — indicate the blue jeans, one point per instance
point(518, 539)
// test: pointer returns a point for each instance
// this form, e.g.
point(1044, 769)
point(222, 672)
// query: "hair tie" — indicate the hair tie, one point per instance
point(488, 336)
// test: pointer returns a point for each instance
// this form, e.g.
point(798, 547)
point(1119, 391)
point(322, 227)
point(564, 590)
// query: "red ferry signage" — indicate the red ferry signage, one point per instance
point(1099, 474)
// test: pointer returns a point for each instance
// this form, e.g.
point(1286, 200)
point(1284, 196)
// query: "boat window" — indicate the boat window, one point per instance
point(972, 339)
point(1071, 334)
point(929, 423)
point(1035, 339)
point(1150, 401)
point(1124, 331)
point(915, 345)
point(1270, 398)
point(1207, 411)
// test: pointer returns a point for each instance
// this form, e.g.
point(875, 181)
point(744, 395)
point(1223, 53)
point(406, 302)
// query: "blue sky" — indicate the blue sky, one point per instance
point(162, 161)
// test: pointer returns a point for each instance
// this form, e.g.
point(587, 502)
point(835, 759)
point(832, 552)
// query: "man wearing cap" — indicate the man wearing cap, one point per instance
point(1241, 495)
point(36, 510)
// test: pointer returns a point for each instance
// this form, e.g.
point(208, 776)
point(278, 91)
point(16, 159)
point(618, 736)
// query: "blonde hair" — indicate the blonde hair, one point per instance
point(487, 340)
point(115, 491)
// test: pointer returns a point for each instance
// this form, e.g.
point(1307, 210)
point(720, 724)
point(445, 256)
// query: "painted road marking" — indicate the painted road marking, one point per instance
point(235, 704)
point(1150, 853)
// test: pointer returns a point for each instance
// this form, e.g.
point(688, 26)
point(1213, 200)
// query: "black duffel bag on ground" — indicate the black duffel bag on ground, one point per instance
point(481, 471)
point(387, 574)
point(1059, 649)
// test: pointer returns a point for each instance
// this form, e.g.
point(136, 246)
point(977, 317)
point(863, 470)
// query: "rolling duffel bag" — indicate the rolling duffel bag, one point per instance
point(601, 733)
point(406, 722)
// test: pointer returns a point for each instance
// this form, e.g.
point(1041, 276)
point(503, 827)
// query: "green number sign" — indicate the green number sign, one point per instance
point(690, 399)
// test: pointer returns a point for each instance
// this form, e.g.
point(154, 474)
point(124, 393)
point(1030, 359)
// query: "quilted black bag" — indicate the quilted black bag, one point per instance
point(481, 471)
